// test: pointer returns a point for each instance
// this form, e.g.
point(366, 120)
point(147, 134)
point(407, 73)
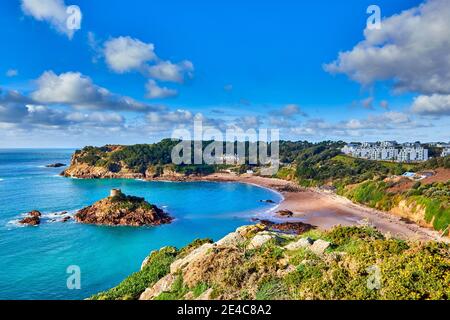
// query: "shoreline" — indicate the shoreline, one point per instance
point(321, 209)
point(326, 210)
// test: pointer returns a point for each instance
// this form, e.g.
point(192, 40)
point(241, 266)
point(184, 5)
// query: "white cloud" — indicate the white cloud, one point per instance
point(79, 91)
point(52, 11)
point(168, 71)
point(12, 73)
point(434, 105)
point(124, 54)
point(156, 92)
point(411, 48)
point(179, 116)
point(31, 115)
point(292, 110)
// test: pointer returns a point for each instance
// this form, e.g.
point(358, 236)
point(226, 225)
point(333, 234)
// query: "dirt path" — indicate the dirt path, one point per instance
point(326, 210)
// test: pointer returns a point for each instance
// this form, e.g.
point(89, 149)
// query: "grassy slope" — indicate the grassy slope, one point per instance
point(407, 270)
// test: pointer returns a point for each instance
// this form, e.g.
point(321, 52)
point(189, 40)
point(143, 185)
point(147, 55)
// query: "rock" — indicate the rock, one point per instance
point(123, 210)
point(193, 256)
point(319, 246)
point(34, 213)
point(301, 243)
point(250, 231)
point(205, 295)
point(289, 227)
point(55, 165)
point(65, 219)
point(32, 219)
point(62, 213)
point(285, 213)
point(267, 201)
point(259, 240)
point(231, 239)
point(163, 284)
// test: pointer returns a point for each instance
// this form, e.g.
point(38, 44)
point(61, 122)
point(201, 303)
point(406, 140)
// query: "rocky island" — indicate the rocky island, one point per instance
point(122, 210)
point(33, 218)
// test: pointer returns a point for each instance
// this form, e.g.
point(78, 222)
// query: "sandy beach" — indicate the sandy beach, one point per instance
point(325, 209)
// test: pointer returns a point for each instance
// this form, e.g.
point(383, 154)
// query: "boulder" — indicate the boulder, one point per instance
point(193, 256)
point(33, 218)
point(267, 201)
point(55, 165)
point(288, 227)
point(231, 239)
point(285, 213)
point(164, 284)
point(34, 213)
point(65, 219)
point(319, 246)
point(260, 239)
point(249, 231)
point(301, 243)
point(31, 221)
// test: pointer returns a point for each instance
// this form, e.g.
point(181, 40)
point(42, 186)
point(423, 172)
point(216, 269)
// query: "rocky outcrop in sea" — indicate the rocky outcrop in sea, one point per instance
point(122, 210)
point(33, 218)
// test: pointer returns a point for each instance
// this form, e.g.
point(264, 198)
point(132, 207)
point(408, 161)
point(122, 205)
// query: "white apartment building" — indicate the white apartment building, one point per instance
point(445, 152)
point(412, 154)
point(387, 151)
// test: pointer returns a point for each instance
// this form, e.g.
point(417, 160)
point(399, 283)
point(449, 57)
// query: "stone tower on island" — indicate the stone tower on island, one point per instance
point(115, 193)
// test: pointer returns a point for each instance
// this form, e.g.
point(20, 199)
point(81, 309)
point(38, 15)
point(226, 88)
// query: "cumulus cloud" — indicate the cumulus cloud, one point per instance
point(411, 49)
point(156, 92)
point(378, 124)
point(55, 12)
point(292, 110)
point(39, 115)
point(177, 117)
point(434, 105)
point(168, 71)
point(124, 54)
point(286, 116)
point(79, 91)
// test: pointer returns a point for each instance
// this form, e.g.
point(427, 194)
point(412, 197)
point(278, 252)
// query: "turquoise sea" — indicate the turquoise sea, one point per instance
point(34, 260)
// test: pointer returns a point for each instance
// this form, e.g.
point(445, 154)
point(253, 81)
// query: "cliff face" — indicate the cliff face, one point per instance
point(97, 163)
point(123, 210)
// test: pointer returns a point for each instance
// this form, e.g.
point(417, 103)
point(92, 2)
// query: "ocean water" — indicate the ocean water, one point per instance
point(34, 260)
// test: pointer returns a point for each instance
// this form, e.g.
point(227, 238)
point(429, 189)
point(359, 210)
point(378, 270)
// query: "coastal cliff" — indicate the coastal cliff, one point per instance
point(150, 162)
point(122, 210)
point(255, 262)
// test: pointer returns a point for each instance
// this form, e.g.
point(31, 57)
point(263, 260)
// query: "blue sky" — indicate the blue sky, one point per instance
point(253, 64)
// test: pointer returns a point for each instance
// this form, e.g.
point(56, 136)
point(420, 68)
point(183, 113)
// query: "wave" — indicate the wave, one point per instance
point(51, 217)
point(2, 179)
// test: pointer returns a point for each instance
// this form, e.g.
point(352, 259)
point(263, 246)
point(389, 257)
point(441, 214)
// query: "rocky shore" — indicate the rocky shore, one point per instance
point(121, 210)
point(259, 262)
point(33, 218)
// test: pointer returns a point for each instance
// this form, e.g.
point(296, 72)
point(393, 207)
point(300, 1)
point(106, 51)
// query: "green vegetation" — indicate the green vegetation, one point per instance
point(360, 264)
point(434, 198)
point(128, 203)
point(158, 266)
